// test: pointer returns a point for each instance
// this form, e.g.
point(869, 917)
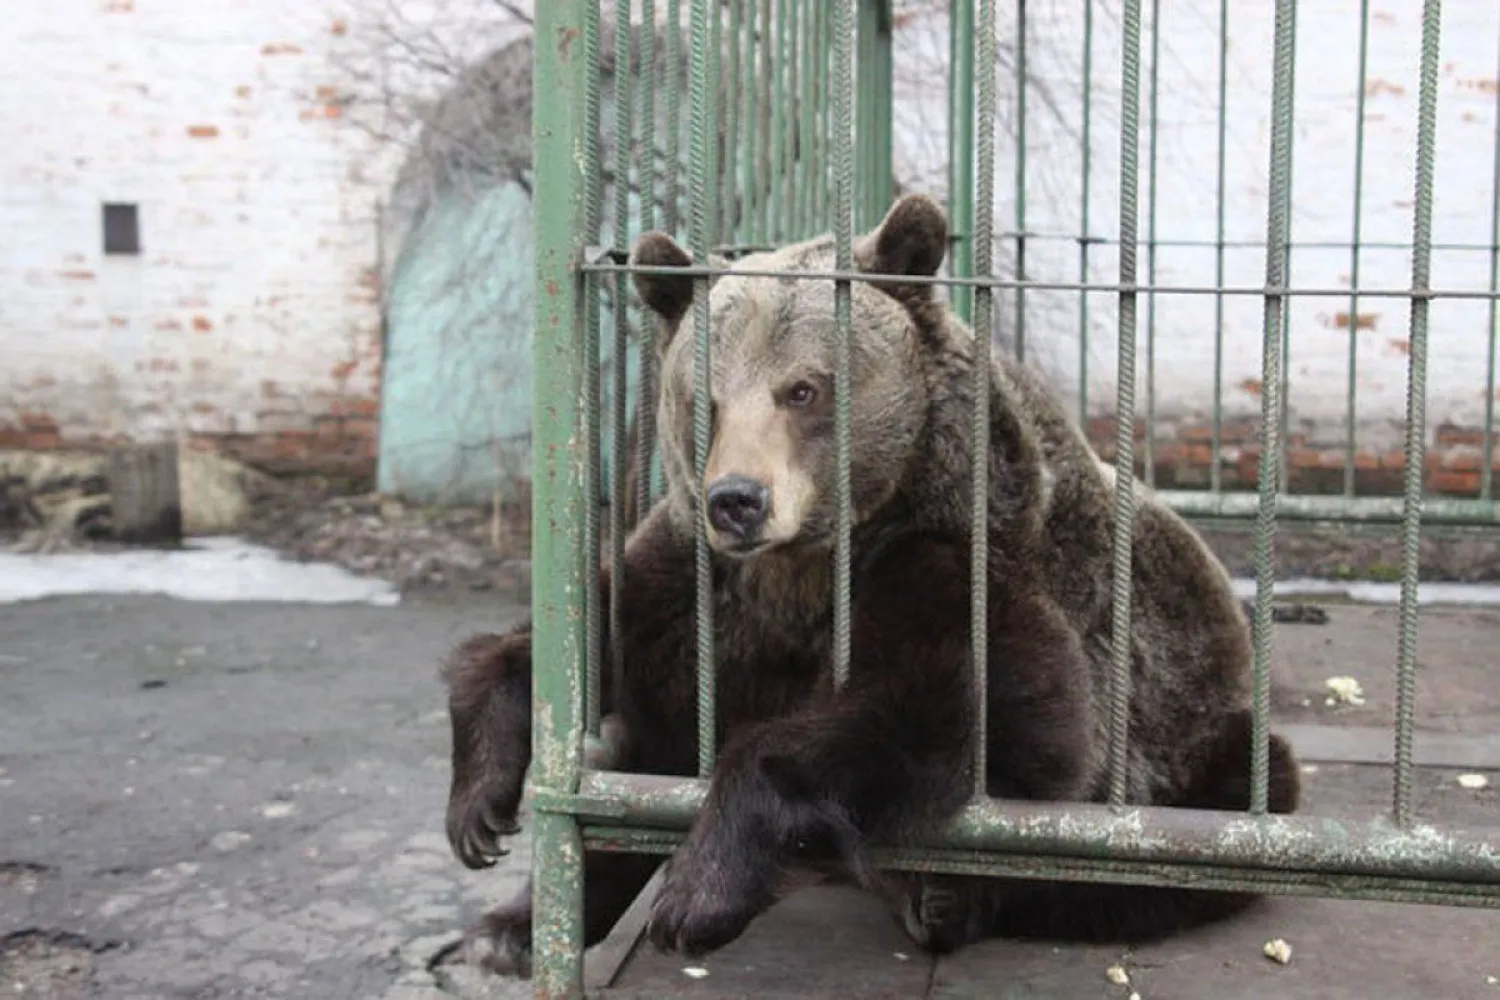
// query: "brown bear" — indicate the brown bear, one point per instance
point(808, 776)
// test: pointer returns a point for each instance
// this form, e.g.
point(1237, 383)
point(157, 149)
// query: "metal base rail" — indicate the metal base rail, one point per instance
point(1149, 845)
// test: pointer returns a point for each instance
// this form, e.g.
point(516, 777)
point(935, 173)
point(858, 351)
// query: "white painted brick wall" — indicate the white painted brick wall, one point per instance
point(251, 309)
point(1187, 159)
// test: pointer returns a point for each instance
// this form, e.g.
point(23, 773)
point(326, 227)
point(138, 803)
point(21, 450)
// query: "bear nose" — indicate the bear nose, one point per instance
point(738, 506)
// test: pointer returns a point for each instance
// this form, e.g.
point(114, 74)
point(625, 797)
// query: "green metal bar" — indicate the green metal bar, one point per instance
point(843, 231)
point(1085, 237)
point(594, 178)
point(645, 420)
point(882, 69)
point(620, 416)
point(1351, 510)
point(822, 125)
point(785, 116)
point(1352, 417)
point(1278, 210)
point(874, 113)
point(1223, 878)
point(1115, 287)
point(767, 80)
point(1487, 473)
point(560, 76)
point(1216, 473)
point(1315, 848)
point(1416, 408)
point(961, 152)
point(731, 89)
point(672, 208)
point(807, 157)
point(1124, 510)
point(1021, 77)
point(1154, 89)
point(982, 225)
point(705, 87)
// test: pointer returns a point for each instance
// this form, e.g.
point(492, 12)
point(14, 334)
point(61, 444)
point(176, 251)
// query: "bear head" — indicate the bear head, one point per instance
point(771, 475)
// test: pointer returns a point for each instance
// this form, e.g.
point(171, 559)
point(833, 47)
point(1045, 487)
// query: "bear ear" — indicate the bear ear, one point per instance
point(911, 240)
point(667, 295)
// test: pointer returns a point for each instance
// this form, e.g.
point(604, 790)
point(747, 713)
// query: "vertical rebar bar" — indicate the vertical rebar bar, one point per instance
point(1278, 211)
point(1416, 405)
point(594, 179)
point(1085, 238)
point(1154, 89)
point(843, 230)
point(1356, 249)
point(558, 497)
point(705, 87)
point(732, 89)
point(1487, 471)
point(672, 196)
point(645, 421)
point(1021, 74)
point(1216, 472)
point(1124, 509)
point(983, 226)
point(961, 153)
point(624, 136)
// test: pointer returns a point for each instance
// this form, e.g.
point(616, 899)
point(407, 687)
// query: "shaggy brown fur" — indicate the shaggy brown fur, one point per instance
point(809, 778)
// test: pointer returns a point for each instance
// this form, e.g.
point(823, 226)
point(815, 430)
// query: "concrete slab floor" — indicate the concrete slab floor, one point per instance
point(219, 801)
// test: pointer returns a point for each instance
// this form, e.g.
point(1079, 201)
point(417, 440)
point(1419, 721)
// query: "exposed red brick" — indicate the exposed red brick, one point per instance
point(1360, 321)
point(1304, 458)
point(203, 131)
point(1447, 434)
point(202, 324)
point(1457, 458)
point(77, 275)
point(280, 49)
point(1252, 385)
point(1454, 483)
point(338, 27)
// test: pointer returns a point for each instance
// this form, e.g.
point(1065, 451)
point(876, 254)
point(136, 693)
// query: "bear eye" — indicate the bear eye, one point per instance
point(801, 394)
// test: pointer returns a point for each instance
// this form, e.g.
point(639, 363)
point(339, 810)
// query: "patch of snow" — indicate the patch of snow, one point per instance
point(210, 569)
point(1373, 592)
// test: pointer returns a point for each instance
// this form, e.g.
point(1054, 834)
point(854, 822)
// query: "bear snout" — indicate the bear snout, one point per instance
point(738, 506)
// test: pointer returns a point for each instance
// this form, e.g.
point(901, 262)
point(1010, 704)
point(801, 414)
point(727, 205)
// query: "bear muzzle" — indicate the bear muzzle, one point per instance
point(739, 507)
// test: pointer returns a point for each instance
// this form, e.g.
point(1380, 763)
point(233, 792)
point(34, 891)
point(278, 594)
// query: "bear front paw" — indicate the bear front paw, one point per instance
point(499, 944)
point(479, 814)
point(700, 908)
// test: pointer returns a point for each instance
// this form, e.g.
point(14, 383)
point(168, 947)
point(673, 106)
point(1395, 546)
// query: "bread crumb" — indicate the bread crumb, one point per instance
point(1343, 690)
point(1117, 975)
point(1278, 950)
point(1473, 782)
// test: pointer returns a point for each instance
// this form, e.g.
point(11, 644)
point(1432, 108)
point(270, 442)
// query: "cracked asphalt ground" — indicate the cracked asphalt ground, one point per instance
point(241, 800)
point(209, 801)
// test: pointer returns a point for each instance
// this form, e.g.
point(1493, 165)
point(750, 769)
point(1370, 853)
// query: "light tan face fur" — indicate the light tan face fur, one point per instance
point(770, 476)
point(757, 440)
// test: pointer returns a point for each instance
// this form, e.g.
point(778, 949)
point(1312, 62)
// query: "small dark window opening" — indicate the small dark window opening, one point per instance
point(122, 229)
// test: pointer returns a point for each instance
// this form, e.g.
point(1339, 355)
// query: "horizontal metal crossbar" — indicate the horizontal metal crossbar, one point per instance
point(1222, 877)
point(1313, 849)
point(601, 265)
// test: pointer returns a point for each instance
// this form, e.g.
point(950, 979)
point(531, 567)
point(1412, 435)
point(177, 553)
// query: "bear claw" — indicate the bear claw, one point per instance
point(476, 824)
